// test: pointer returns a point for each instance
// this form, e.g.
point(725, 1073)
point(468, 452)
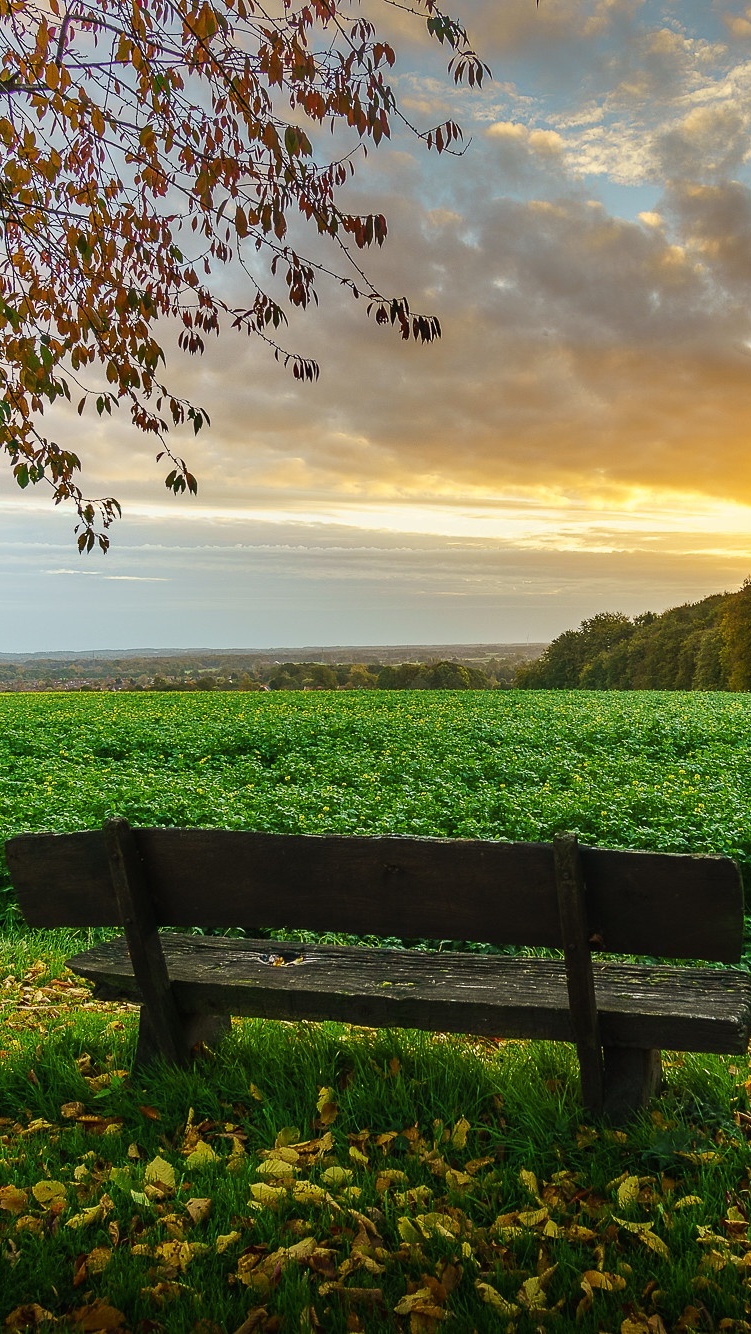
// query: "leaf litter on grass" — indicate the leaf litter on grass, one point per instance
point(142, 1224)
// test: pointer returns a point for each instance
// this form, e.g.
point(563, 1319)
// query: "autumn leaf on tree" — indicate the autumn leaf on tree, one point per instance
point(143, 149)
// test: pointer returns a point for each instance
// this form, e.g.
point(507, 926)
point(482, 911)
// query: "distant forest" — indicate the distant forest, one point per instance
point(473, 668)
point(700, 646)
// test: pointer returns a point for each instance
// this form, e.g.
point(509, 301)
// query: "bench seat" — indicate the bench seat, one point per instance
point(678, 1008)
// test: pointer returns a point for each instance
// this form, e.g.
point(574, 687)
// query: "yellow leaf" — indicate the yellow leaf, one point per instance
point(48, 1193)
point(202, 1156)
point(13, 1200)
point(327, 1107)
point(408, 1232)
point(86, 1217)
point(306, 1192)
point(630, 1226)
point(422, 1302)
point(266, 1197)
point(493, 1298)
point(98, 1259)
point(531, 1217)
point(437, 1225)
point(688, 1201)
point(276, 1168)
point(337, 1176)
point(290, 1135)
point(628, 1192)
point(529, 1181)
point(635, 1325)
point(71, 1110)
point(457, 1180)
point(532, 1294)
point(23, 1318)
point(226, 1240)
point(160, 1173)
point(286, 1153)
point(358, 1156)
point(605, 1282)
point(655, 1243)
point(459, 1133)
point(177, 1254)
point(255, 1092)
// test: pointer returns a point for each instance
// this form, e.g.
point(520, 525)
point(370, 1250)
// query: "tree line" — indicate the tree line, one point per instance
point(260, 672)
point(698, 646)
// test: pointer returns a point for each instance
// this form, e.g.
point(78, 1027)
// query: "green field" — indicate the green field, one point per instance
point(662, 770)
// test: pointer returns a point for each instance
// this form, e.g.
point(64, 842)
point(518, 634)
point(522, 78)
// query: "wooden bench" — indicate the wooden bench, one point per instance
point(559, 896)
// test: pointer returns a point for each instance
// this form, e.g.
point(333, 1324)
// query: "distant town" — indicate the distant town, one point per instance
point(403, 666)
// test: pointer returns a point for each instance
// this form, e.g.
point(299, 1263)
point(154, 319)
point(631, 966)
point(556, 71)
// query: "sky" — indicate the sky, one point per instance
point(577, 441)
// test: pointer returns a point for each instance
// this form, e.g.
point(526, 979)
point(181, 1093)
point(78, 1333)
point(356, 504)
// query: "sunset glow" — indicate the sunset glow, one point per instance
point(577, 441)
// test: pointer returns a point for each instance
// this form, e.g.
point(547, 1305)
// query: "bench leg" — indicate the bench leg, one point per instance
point(208, 1029)
point(632, 1077)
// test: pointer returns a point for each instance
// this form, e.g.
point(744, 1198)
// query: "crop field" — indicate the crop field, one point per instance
point(651, 770)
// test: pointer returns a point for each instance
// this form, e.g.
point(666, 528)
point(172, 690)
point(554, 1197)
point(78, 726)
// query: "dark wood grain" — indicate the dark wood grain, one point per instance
point(684, 1009)
point(632, 1077)
point(504, 893)
point(136, 911)
point(572, 910)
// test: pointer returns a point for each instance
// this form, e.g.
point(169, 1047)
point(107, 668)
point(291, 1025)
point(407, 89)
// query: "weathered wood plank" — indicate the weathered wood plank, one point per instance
point(638, 902)
point(572, 910)
point(136, 912)
point(684, 1009)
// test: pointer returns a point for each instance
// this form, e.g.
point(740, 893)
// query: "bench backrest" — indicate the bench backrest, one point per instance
point(658, 904)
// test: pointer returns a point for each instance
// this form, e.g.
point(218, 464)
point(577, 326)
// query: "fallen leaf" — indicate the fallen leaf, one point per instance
point(327, 1107)
point(628, 1192)
point(604, 1281)
point(268, 1197)
point(86, 1217)
point(339, 1176)
point(202, 1156)
point(532, 1294)
point(27, 1317)
point(655, 1243)
point(175, 1254)
point(493, 1298)
point(198, 1209)
point(421, 1302)
point(529, 1181)
point(98, 1259)
point(226, 1240)
point(459, 1133)
point(48, 1193)
point(160, 1173)
point(98, 1317)
point(13, 1200)
point(276, 1168)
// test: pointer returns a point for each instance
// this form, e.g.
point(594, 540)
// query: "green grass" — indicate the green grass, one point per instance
point(463, 1164)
